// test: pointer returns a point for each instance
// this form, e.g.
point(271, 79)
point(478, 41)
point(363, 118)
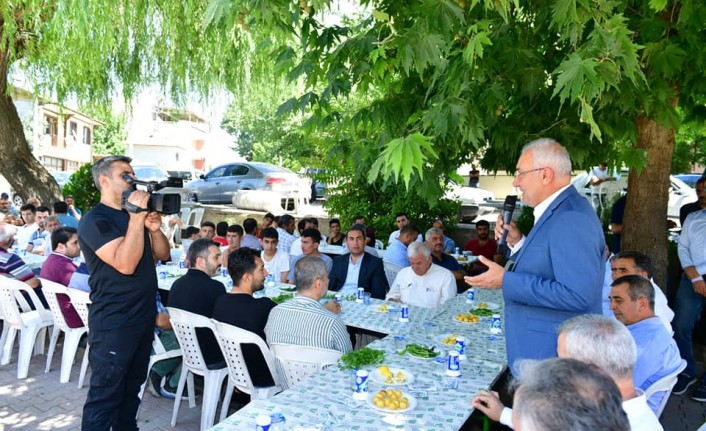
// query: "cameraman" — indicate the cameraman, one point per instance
point(120, 248)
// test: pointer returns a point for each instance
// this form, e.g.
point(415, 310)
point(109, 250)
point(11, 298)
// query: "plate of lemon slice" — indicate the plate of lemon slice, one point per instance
point(392, 401)
point(391, 376)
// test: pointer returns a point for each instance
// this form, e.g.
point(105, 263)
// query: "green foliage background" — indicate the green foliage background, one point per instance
point(82, 188)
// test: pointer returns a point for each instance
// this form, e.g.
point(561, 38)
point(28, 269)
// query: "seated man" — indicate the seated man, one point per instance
point(41, 235)
point(335, 237)
point(61, 210)
point(635, 263)
point(197, 293)
point(250, 238)
point(7, 211)
point(73, 211)
point(221, 232)
point(449, 244)
point(26, 231)
point(234, 236)
point(276, 261)
point(239, 308)
point(435, 241)
point(51, 224)
point(369, 230)
point(310, 240)
point(358, 268)
point(424, 283)
point(402, 221)
point(303, 320)
point(568, 395)
point(632, 300)
point(59, 267)
point(484, 246)
point(192, 233)
point(12, 265)
point(396, 252)
point(302, 225)
point(208, 230)
point(601, 341)
point(285, 230)
point(164, 375)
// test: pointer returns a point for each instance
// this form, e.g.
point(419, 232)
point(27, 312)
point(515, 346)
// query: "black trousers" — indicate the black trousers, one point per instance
point(119, 360)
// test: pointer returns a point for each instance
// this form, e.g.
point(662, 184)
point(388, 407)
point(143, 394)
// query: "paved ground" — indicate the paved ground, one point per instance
point(40, 402)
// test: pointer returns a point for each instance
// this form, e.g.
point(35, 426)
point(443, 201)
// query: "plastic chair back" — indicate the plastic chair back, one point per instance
point(51, 289)
point(391, 271)
point(665, 384)
point(297, 363)
point(184, 324)
point(231, 338)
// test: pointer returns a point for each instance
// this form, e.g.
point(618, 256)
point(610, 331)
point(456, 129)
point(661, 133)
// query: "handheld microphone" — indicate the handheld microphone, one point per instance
point(508, 209)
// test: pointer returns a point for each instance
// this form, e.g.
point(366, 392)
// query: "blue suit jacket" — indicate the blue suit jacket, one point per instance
point(371, 276)
point(558, 275)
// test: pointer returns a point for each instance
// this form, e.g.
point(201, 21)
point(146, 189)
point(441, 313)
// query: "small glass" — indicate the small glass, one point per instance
point(366, 298)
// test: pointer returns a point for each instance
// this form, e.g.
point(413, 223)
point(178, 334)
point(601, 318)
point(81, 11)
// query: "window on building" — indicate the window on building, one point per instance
point(73, 130)
point(87, 139)
point(54, 164)
point(51, 128)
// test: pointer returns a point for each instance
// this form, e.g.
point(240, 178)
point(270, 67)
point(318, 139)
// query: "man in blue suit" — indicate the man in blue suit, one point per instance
point(358, 268)
point(558, 267)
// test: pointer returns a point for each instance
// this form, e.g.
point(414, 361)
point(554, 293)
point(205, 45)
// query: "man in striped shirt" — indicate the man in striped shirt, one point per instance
point(12, 265)
point(303, 320)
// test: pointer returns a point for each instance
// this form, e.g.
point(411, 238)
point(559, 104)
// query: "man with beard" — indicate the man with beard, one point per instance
point(239, 308)
point(59, 267)
point(196, 292)
point(482, 246)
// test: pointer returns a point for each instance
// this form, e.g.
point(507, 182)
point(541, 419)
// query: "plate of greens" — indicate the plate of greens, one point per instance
point(419, 351)
point(357, 359)
point(482, 312)
point(283, 297)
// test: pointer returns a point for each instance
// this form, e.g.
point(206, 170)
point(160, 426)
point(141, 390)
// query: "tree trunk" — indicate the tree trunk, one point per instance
point(17, 164)
point(645, 224)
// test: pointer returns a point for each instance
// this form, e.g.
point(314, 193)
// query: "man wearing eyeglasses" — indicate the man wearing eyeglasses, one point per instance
point(558, 267)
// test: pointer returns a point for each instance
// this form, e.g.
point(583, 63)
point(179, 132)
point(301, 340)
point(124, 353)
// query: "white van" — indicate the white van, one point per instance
point(679, 192)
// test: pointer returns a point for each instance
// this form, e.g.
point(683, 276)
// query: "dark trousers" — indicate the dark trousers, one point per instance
point(119, 360)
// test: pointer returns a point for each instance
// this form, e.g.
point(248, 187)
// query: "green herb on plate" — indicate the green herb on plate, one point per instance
point(281, 298)
point(358, 359)
point(288, 289)
point(482, 312)
point(420, 351)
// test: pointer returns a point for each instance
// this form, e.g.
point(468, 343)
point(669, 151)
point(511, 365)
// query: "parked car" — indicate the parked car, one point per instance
point(689, 179)
point(318, 187)
point(469, 195)
point(219, 185)
point(679, 192)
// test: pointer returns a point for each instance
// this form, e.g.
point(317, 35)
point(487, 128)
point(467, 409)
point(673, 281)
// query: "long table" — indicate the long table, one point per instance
point(325, 399)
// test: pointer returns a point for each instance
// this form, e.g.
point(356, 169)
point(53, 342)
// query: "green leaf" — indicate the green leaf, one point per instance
point(658, 5)
point(575, 76)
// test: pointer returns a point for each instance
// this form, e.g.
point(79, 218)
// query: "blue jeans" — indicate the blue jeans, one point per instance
point(689, 306)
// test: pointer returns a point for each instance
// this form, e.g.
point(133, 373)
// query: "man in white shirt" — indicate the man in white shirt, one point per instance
point(601, 341)
point(635, 263)
point(402, 221)
point(302, 225)
point(423, 283)
point(24, 233)
point(276, 261)
point(310, 240)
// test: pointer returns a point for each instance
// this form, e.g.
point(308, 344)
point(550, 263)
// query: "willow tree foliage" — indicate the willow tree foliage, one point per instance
point(444, 79)
point(96, 50)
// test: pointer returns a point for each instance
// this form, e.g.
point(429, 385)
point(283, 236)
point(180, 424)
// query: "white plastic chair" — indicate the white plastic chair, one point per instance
point(194, 217)
point(80, 301)
point(379, 245)
point(32, 324)
point(391, 271)
point(665, 384)
point(72, 336)
point(297, 363)
point(231, 338)
point(184, 324)
point(160, 354)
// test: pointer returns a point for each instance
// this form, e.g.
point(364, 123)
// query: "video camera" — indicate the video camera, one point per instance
point(163, 203)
